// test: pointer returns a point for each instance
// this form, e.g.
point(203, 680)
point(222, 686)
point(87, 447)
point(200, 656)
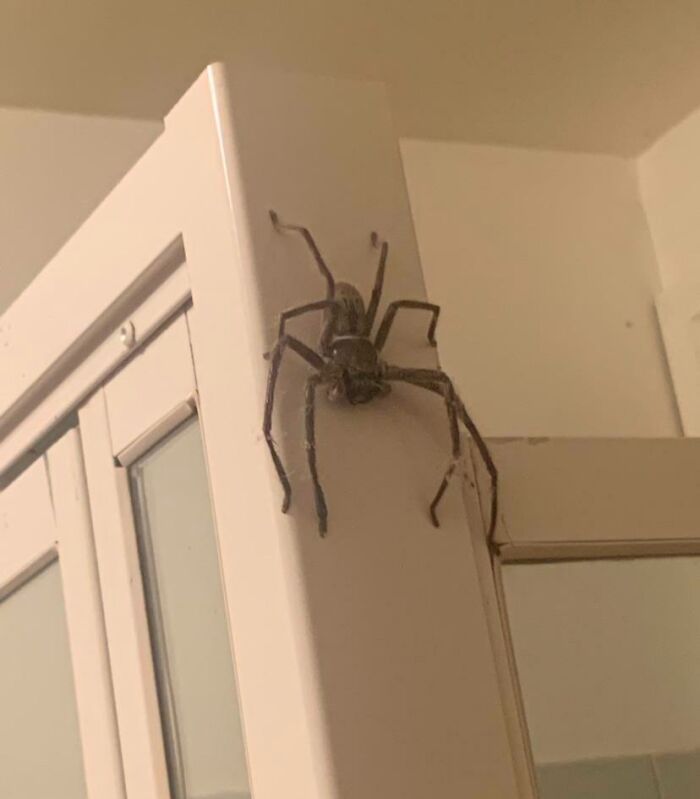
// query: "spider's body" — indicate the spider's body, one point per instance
point(354, 372)
point(350, 367)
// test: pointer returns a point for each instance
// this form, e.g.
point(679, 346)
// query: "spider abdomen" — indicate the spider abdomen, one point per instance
point(349, 315)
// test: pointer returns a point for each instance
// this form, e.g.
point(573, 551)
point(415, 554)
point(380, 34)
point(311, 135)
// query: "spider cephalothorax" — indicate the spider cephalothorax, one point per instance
point(350, 366)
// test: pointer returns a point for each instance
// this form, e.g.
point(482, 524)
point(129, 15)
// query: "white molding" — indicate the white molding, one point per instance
point(554, 491)
point(158, 379)
point(84, 620)
point(93, 355)
point(126, 623)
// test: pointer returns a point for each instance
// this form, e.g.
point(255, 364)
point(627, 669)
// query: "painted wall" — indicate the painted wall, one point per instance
point(546, 272)
point(669, 180)
point(54, 170)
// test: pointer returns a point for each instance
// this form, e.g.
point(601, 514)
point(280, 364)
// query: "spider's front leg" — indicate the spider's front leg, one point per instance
point(439, 383)
point(312, 358)
point(390, 315)
point(310, 418)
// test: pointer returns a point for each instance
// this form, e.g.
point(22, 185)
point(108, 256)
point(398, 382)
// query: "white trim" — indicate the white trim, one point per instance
point(596, 550)
point(497, 621)
point(597, 490)
point(157, 432)
point(100, 352)
point(280, 705)
point(44, 517)
point(159, 378)
point(124, 610)
point(88, 645)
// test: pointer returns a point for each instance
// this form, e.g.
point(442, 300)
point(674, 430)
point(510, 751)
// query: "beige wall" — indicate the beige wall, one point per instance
point(546, 273)
point(669, 180)
point(54, 169)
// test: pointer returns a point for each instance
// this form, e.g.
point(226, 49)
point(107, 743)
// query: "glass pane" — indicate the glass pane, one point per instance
point(189, 631)
point(40, 750)
point(608, 656)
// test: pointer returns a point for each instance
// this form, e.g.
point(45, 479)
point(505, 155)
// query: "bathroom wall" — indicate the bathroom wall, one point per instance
point(546, 272)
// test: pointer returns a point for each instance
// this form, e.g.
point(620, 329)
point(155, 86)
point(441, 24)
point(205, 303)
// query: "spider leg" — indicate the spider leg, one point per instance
point(299, 310)
point(312, 358)
point(310, 417)
point(378, 283)
point(388, 320)
point(309, 239)
point(450, 398)
point(437, 381)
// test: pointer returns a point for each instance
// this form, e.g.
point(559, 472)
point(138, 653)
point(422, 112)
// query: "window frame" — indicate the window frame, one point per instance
point(45, 519)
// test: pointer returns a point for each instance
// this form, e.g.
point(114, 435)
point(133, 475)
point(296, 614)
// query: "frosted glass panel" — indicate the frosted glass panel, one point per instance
point(40, 751)
point(189, 631)
point(608, 656)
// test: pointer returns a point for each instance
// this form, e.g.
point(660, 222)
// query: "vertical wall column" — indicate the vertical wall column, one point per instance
point(365, 665)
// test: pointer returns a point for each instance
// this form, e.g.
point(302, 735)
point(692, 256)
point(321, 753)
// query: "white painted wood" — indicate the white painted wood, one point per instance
point(380, 627)
point(44, 515)
point(492, 596)
point(597, 490)
point(27, 530)
point(279, 692)
point(94, 354)
point(156, 380)
point(594, 550)
point(158, 431)
point(678, 309)
point(93, 683)
point(125, 617)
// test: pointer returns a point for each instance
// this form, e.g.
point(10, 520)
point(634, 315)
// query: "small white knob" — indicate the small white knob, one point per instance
point(127, 334)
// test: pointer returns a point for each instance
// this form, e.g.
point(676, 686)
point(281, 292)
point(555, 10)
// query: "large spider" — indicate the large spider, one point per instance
point(350, 365)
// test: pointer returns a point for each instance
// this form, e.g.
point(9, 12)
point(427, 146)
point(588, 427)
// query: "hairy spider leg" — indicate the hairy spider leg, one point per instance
point(451, 405)
point(436, 381)
point(319, 305)
point(312, 358)
point(310, 418)
point(376, 295)
point(309, 239)
point(390, 314)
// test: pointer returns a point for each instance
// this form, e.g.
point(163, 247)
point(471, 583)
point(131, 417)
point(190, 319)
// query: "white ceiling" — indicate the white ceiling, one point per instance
point(592, 75)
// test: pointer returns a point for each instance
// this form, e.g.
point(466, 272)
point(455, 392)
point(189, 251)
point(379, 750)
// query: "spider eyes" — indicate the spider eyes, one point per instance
point(336, 392)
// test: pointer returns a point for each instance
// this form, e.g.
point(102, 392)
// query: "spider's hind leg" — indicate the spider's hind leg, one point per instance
point(313, 359)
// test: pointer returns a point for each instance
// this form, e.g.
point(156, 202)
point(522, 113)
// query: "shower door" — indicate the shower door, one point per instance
point(57, 720)
point(167, 623)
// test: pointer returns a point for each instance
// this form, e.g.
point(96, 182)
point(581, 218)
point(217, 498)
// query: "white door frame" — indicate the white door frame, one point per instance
point(44, 517)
